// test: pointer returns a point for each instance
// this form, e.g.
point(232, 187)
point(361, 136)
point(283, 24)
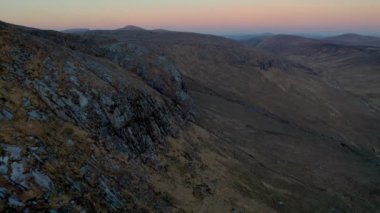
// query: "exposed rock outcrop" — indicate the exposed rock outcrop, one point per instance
point(77, 131)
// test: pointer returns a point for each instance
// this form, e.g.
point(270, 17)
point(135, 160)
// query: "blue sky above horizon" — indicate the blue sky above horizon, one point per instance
point(322, 17)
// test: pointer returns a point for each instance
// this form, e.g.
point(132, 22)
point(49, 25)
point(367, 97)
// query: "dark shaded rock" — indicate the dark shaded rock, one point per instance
point(3, 193)
point(113, 200)
point(43, 180)
point(3, 165)
point(202, 191)
point(26, 102)
point(37, 115)
point(6, 114)
point(15, 202)
point(265, 65)
point(18, 176)
point(280, 203)
point(14, 152)
point(156, 70)
point(69, 141)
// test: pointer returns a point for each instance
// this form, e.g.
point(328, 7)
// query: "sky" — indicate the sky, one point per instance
point(205, 16)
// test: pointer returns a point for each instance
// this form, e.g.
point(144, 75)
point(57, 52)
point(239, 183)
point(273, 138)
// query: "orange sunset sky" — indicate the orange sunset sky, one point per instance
point(207, 16)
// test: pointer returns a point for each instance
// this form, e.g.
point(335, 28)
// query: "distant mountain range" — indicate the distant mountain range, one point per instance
point(348, 39)
point(76, 30)
point(355, 39)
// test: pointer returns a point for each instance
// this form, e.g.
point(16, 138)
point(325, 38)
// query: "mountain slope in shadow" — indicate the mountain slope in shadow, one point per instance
point(281, 114)
point(178, 122)
point(354, 69)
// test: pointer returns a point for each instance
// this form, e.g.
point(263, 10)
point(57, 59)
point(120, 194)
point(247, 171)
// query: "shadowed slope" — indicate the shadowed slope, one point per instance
point(318, 140)
point(268, 134)
point(81, 133)
point(354, 69)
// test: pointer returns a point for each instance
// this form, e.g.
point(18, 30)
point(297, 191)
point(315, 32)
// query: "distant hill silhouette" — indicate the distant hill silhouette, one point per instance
point(76, 30)
point(355, 39)
point(131, 28)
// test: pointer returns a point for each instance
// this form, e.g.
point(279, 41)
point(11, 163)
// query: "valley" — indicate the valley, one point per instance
point(138, 120)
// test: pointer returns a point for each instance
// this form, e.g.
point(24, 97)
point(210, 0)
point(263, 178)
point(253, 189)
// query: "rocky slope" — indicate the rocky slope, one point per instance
point(300, 135)
point(82, 130)
point(61, 113)
point(160, 121)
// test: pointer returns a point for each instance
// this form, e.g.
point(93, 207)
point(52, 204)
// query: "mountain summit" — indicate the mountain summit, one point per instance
point(131, 28)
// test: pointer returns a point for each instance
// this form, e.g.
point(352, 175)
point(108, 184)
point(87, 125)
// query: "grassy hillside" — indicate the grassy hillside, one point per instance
point(160, 121)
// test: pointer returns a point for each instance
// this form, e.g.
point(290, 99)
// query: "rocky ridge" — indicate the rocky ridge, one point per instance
point(61, 110)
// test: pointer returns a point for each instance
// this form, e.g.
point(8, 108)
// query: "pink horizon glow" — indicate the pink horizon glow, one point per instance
point(243, 15)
